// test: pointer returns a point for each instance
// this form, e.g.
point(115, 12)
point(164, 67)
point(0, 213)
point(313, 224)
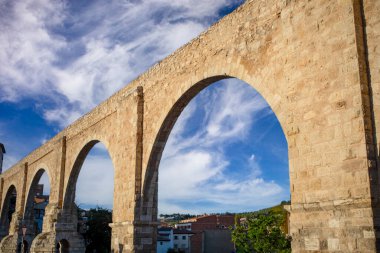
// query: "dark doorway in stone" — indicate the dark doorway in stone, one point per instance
point(25, 247)
point(63, 246)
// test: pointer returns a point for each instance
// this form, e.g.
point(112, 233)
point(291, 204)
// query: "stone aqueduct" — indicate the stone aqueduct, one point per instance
point(317, 65)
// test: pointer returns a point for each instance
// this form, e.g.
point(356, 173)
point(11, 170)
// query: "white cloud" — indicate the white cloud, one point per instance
point(194, 168)
point(96, 180)
point(62, 116)
point(28, 49)
point(109, 43)
point(229, 115)
point(165, 207)
point(182, 176)
point(232, 113)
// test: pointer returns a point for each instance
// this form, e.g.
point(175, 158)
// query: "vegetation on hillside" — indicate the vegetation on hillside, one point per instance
point(262, 231)
point(177, 216)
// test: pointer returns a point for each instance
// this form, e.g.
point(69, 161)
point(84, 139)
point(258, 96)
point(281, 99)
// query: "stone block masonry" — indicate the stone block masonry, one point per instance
point(317, 65)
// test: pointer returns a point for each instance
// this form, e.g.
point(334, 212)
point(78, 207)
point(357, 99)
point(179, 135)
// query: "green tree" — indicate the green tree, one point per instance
point(261, 233)
point(98, 234)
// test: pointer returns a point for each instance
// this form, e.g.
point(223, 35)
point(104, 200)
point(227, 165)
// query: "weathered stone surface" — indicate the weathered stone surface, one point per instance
point(317, 65)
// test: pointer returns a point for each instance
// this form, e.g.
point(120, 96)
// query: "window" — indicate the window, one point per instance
point(184, 237)
point(160, 243)
point(175, 246)
point(175, 237)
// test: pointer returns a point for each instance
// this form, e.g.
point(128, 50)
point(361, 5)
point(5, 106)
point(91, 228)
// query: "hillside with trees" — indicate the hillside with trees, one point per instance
point(262, 231)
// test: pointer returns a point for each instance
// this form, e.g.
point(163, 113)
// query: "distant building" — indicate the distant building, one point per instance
point(181, 240)
point(164, 239)
point(174, 239)
point(200, 224)
point(217, 241)
point(39, 205)
point(39, 212)
point(181, 225)
point(163, 224)
point(39, 190)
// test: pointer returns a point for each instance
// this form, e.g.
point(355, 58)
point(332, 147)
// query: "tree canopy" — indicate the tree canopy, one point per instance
point(98, 234)
point(261, 232)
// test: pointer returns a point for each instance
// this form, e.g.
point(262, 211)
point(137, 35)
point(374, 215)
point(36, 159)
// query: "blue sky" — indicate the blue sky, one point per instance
point(61, 58)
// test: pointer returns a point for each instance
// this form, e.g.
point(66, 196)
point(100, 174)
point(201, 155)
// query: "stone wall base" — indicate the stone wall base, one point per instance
point(128, 237)
point(47, 242)
point(335, 228)
point(9, 244)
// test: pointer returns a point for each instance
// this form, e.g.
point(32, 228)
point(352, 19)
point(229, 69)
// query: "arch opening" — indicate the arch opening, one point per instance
point(89, 196)
point(63, 246)
point(35, 206)
point(9, 208)
point(221, 149)
point(23, 247)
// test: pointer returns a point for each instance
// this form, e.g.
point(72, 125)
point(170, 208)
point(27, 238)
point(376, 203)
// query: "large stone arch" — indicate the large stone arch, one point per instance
point(179, 95)
point(149, 189)
point(176, 94)
point(66, 224)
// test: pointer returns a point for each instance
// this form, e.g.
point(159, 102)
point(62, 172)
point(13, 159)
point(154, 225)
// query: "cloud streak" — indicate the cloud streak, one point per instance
point(75, 55)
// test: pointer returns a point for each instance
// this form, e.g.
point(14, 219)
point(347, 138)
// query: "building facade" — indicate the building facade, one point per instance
point(181, 240)
point(199, 225)
point(164, 239)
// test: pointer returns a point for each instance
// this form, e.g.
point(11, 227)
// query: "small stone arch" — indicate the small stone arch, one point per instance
point(28, 215)
point(71, 182)
point(37, 174)
point(8, 209)
point(63, 246)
